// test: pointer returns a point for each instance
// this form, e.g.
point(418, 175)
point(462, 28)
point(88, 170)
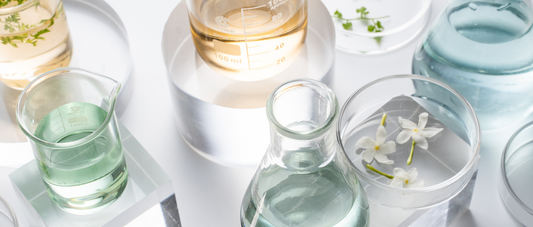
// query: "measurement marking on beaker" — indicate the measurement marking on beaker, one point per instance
point(254, 46)
point(259, 53)
point(244, 31)
point(256, 61)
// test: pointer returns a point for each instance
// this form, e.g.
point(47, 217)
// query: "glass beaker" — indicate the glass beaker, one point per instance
point(69, 119)
point(248, 40)
point(484, 50)
point(304, 178)
point(34, 38)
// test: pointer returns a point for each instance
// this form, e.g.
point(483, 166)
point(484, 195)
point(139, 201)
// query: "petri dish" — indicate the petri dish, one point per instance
point(100, 44)
point(7, 216)
point(225, 120)
point(516, 170)
point(402, 22)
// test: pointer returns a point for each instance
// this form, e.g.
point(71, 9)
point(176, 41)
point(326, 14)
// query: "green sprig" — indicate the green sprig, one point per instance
point(12, 24)
point(375, 27)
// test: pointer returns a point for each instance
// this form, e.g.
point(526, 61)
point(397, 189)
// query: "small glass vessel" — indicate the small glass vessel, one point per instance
point(304, 178)
point(484, 50)
point(34, 38)
point(69, 119)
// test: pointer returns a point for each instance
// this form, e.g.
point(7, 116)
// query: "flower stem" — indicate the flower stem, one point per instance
point(378, 172)
point(410, 159)
point(383, 119)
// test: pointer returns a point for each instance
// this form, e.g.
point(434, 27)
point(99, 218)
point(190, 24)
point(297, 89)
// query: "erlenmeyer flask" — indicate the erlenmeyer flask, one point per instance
point(484, 50)
point(304, 178)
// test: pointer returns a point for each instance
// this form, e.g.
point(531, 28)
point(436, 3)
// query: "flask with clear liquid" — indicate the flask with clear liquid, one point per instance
point(484, 50)
point(304, 178)
point(248, 40)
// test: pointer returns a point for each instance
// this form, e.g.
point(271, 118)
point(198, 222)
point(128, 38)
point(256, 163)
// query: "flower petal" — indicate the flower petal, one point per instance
point(420, 141)
point(366, 141)
point(404, 136)
point(387, 148)
point(381, 135)
point(413, 174)
point(396, 182)
point(415, 184)
point(422, 120)
point(381, 158)
point(400, 174)
point(430, 132)
point(407, 124)
point(368, 155)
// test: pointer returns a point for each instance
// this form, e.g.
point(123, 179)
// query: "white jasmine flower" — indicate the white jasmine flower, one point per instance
point(419, 132)
point(378, 148)
point(403, 179)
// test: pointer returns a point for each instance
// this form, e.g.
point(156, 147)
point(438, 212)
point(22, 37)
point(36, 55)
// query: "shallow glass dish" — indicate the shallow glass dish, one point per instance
point(446, 166)
point(100, 44)
point(402, 21)
point(7, 216)
point(516, 173)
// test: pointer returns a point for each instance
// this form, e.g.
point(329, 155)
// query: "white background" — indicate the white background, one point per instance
point(209, 194)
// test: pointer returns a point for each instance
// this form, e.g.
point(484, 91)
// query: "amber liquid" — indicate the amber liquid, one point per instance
point(20, 65)
point(250, 44)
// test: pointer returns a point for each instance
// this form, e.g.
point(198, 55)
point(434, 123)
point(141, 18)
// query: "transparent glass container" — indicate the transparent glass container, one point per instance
point(447, 165)
point(483, 49)
point(516, 171)
point(68, 115)
point(304, 178)
point(7, 215)
point(248, 40)
point(402, 21)
point(34, 39)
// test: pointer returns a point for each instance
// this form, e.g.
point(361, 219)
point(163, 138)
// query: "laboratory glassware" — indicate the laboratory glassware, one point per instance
point(304, 178)
point(34, 38)
point(447, 166)
point(248, 40)
point(484, 50)
point(68, 116)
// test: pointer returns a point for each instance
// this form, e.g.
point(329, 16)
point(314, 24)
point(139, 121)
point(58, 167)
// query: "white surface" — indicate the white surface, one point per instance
point(209, 194)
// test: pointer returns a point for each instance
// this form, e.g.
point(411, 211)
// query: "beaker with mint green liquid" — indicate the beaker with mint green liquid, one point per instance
point(68, 117)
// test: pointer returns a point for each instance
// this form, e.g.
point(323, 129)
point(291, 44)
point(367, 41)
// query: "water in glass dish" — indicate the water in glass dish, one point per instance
point(484, 51)
point(291, 201)
point(86, 176)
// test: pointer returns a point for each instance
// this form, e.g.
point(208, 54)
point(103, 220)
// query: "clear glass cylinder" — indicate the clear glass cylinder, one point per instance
point(483, 49)
point(34, 39)
point(248, 40)
point(69, 119)
point(304, 178)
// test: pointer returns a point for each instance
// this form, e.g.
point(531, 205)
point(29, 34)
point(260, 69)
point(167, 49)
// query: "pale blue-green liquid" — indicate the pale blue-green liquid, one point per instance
point(485, 52)
point(304, 196)
point(89, 176)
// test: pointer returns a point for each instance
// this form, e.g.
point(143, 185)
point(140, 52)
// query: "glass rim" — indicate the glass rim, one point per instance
point(17, 8)
point(110, 111)
point(322, 128)
point(425, 8)
point(503, 170)
point(476, 147)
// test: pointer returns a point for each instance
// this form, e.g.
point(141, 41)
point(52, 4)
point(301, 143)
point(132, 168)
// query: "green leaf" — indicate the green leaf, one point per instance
point(378, 39)
point(347, 25)
point(379, 24)
point(337, 14)
point(371, 28)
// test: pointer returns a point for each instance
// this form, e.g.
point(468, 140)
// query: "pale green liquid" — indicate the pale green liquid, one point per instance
point(87, 177)
point(323, 197)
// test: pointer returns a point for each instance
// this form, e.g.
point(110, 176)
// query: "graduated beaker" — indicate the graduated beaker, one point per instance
point(34, 39)
point(68, 116)
point(248, 40)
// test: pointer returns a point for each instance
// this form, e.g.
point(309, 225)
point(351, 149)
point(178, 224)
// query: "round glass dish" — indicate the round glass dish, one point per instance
point(401, 21)
point(516, 171)
point(7, 216)
point(100, 44)
point(446, 166)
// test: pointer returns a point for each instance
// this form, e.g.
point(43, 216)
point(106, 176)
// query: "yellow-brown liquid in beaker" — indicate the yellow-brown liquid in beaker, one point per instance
point(250, 44)
point(21, 61)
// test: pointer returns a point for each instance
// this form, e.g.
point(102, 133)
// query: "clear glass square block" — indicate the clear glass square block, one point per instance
point(147, 200)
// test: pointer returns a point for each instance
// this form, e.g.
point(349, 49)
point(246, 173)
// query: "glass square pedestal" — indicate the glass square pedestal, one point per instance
point(148, 199)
